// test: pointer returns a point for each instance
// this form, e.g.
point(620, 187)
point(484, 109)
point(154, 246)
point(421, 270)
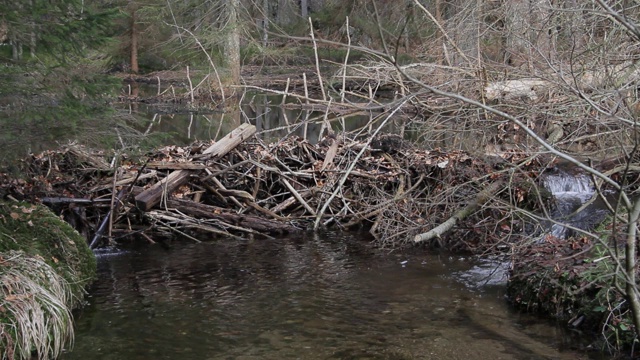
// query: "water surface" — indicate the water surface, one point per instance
point(323, 296)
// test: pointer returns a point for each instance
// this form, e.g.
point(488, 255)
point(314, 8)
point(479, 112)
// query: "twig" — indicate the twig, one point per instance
point(353, 164)
point(346, 60)
point(315, 52)
point(298, 197)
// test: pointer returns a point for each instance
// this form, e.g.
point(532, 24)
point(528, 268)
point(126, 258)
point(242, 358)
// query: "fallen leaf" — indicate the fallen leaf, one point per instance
point(14, 216)
point(28, 210)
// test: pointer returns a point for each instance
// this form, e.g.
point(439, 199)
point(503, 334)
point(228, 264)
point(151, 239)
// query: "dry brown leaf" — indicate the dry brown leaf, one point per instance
point(28, 210)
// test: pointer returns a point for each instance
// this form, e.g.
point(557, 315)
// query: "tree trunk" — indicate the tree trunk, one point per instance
point(133, 39)
point(304, 9)
point(439, 53)
point(577, 30)
point(232, 46)
point(516, 25)
point(287, 12)
point(462, 26)
point(32, 37)
point(631, 258)
point(265, 22)
point(16, 50)
point(529, 34)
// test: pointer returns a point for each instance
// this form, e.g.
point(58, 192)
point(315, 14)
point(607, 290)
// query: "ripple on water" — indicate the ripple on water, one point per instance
point(327, 296)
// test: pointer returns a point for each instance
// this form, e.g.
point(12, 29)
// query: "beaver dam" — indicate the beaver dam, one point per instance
point(242, 187)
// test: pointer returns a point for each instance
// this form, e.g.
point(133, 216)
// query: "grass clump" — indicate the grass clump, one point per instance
point(44, 267)
point(36, 320)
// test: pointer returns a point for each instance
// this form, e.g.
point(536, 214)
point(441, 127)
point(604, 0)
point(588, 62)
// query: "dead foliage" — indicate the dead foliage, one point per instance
point(385, 185)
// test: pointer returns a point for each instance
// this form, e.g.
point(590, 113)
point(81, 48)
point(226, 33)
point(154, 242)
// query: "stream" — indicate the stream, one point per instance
point(572, 190)
point(310, 296)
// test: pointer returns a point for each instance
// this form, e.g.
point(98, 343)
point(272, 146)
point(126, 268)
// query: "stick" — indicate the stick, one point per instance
point(353, 164)
point(113, 198)
point(298, 197)
point(480, 199)
point(122, 194)
point(315, 51)
point(190, 85)
point(346, 59)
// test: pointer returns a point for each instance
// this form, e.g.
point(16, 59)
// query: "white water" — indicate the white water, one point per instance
point(567, 185)
point(570, 191)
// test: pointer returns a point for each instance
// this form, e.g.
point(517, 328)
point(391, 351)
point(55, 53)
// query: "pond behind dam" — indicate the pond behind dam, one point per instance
point(327, 295)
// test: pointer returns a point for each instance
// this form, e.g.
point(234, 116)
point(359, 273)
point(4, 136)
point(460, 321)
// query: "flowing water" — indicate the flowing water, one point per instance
point(325, 296)
point(309, 296)
point(572, 191)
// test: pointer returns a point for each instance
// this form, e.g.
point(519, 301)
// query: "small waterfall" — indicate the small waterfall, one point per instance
point(570, 191)
point(563, 184)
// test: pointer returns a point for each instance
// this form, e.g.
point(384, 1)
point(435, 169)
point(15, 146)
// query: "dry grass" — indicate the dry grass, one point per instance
point(35, 320)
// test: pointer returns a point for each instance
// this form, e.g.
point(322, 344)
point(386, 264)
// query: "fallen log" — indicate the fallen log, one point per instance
point(203, 211)
point(529, 89)
point(228, 143)
point(152, 196)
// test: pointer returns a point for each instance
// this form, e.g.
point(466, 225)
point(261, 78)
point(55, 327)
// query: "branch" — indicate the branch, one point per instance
point(353, 163)
point(482, 197)
point(526, 129)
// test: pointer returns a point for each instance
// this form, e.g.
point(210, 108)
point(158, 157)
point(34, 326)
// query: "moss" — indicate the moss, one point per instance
point(44, 267)
point(571, 281)
point(38, 232)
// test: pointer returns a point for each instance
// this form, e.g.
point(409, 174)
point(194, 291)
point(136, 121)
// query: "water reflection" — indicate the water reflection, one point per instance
point(327, 296)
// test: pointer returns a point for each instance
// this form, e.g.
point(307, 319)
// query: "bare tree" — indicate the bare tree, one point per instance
point(232, 45)
point(565, 88)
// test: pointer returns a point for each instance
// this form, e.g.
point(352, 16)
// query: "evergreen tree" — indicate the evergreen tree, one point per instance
point(56, 28)
point(50, 76)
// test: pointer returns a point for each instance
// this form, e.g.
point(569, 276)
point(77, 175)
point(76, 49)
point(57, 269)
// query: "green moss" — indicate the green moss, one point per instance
point(44, 267)
point(38, 232)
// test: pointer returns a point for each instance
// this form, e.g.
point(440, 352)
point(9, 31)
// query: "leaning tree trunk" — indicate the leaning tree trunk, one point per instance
point(482, 197)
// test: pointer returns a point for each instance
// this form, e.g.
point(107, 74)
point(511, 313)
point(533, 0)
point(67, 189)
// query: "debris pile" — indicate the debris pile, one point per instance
point(241, 187)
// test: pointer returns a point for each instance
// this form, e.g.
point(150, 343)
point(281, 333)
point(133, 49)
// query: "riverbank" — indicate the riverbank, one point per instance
point(45, 266)
point(576, 281)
